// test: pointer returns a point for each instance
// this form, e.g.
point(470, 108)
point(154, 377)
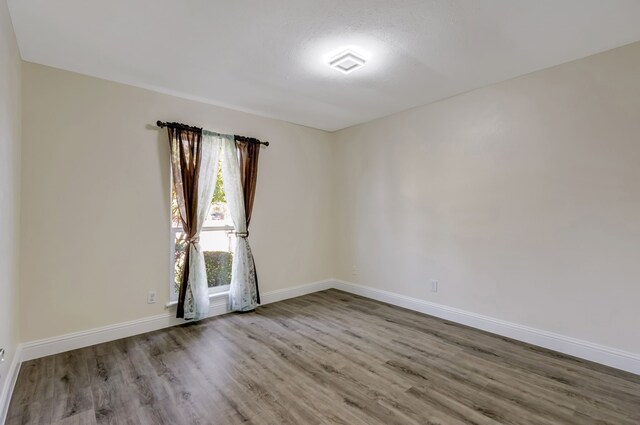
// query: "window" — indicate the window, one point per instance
point(217, 240)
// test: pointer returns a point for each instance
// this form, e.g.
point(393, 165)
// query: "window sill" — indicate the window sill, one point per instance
point(211, 296)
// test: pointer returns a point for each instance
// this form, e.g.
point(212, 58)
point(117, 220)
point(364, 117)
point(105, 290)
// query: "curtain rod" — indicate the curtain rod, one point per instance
point(180, 126)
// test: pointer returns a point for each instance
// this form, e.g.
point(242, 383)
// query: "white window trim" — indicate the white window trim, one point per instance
point(213, 292)
point(214, 295)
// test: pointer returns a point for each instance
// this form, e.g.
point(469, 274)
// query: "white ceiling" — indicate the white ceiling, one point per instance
point(268, 57)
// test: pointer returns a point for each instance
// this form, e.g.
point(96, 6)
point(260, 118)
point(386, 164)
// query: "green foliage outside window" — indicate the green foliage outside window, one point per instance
point(218, 194)
point(219, 197)
point(217, 264)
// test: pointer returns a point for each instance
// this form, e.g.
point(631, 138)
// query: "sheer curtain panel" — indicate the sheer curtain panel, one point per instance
point(194, 159)
point(243, 292)
point(196, 303)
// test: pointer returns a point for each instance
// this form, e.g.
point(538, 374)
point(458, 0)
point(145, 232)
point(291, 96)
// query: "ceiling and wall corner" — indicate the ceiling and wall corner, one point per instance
point(271, 61)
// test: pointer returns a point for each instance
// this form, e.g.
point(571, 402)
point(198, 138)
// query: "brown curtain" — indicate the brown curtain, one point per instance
point(248, 153)
point(186, 156)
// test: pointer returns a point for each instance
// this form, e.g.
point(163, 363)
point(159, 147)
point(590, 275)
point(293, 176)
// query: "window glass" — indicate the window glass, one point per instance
point(216, 239)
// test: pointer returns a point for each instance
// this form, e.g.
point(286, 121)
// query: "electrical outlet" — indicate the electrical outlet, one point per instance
point(434, 286)
point(151, 297)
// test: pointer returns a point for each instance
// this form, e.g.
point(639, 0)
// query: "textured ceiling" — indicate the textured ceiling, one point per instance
point(268, 57)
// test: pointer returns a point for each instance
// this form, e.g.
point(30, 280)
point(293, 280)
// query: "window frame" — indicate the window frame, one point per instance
point(173, 295)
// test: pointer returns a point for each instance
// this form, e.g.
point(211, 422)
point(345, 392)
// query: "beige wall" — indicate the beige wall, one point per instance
point(9, 188)
point(95, 193)
point(522, 199)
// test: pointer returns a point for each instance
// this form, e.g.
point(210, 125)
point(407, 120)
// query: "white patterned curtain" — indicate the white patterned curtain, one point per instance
point(196, 304)
point(243, 292)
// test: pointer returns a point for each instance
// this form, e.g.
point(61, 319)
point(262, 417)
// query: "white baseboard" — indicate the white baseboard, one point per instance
point(9, 384)
point(59, 344)
point(582, 349)
point(609, 356)
point(296, 291)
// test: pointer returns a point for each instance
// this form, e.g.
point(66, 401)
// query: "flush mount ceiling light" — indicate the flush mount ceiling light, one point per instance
point(347, 61)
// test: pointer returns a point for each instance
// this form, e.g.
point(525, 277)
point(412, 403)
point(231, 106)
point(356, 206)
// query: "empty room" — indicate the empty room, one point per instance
point(297, 212)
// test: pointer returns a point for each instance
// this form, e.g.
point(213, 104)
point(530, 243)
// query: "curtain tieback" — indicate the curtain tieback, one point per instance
point(242, 234)
point(194, 239)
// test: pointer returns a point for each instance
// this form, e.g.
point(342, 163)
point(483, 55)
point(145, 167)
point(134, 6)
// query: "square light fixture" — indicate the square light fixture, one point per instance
point(347, 61)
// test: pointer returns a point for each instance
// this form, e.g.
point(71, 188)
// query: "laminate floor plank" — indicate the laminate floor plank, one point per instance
point(300, 387)
point(618, 391)
point(324, 358)
point(85, 418)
